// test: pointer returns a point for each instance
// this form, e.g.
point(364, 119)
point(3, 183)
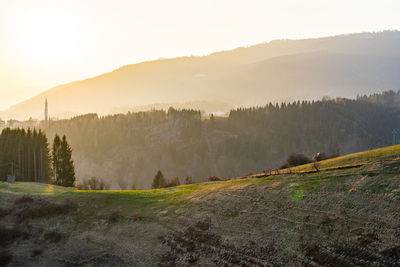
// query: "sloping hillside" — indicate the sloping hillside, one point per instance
point(275, 71)
point(334, 217)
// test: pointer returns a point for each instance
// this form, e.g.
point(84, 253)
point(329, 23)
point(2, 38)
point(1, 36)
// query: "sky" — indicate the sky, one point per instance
point(44, 43)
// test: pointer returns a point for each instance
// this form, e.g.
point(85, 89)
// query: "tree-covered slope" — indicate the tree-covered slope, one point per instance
point(133, 147)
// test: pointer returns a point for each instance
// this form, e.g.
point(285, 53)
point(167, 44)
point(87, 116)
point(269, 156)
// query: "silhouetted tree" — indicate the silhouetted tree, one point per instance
point(56, 158)
point(159, 181)
point(62, 161)
point(24, 154)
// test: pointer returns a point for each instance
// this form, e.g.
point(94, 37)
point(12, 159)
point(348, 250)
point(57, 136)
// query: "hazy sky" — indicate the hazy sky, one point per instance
point(44, 43)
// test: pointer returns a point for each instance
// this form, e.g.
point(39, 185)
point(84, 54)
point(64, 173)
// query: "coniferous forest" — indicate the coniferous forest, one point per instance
point(130, 148)
point(25, 154)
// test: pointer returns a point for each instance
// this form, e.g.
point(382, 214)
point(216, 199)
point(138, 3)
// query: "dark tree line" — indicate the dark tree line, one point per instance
point(388, 98)
point(26, 155)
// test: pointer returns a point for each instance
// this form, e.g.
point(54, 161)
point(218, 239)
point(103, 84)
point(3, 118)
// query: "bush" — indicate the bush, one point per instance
point(173, 182)
point(188, 180)
point(214, 179)
point(93, 183)
point(296, 159)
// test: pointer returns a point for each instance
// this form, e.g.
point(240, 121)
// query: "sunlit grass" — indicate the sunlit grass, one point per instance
point(33, 188)
point(147, 203)
point(348, 160)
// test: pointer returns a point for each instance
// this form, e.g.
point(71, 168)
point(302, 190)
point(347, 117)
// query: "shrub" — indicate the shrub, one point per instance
point(296, 159)
point(214, 179)
point(188, 180)
point(173, 182)
point(93, 183)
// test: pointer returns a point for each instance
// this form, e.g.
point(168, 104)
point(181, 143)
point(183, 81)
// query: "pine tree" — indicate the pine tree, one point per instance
point(159, 180)
point(56, 159)
point(44, 158)
point(24, 154)
point(67, 164)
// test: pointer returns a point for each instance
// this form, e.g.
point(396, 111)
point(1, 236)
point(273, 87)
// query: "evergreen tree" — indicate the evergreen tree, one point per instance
point(24, 154)
point(56, 159)
point(67, 164)
point(44, 158)
point(159, 180)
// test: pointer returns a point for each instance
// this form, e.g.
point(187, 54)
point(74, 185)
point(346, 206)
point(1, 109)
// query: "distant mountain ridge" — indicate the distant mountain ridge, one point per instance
point(282, 70)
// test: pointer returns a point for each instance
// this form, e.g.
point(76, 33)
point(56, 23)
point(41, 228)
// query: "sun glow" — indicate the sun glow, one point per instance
point(47, 37)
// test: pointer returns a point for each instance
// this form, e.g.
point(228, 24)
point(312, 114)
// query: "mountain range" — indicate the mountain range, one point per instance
point(277, 71)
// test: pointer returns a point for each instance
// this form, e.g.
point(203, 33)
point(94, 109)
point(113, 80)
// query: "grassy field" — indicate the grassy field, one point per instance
point(350, 160)
point(336, 216)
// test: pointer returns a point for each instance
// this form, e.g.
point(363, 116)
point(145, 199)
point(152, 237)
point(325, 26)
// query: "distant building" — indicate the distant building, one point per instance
point(31, 123)
point(13, 123)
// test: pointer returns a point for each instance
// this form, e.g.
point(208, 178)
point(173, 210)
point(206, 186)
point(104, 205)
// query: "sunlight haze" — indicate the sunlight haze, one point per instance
point(48, 43)
point(199, 133)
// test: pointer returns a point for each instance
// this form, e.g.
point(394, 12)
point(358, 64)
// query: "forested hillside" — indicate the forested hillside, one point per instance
point(132, 147)
point(388, 98)
point(281, 70)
